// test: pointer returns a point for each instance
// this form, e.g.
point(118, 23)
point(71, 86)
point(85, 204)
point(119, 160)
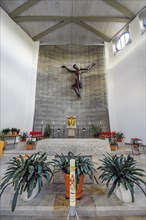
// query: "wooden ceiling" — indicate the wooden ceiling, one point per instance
point(82, 22)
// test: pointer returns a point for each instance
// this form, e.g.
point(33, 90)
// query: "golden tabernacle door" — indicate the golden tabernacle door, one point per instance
point(71, 126)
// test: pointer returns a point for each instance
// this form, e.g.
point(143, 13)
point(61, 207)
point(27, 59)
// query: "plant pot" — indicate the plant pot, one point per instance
point(2, 144)
point(14, 133)
point(29, 146)
point(5, 144)
point(24, 196)
point(79, 190)
point(123, 194)
point(113, 147)
point(47, 137)
point(119, 139)
point(24, 140)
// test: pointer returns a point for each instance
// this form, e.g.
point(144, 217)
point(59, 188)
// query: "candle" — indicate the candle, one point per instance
point(53, 122)
point(89, 122)
point(42, 123)
point(100, 122)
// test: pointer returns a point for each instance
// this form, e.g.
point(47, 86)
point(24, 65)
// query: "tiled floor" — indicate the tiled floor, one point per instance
point(50, 203)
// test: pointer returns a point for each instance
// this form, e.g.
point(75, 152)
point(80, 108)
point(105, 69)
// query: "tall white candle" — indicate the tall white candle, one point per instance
point(72, 183)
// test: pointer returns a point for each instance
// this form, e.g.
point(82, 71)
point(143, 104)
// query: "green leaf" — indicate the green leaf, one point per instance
point(31, 186)
point(112, 188)
point(31, 172)
point(4, 188)
point(47, 177)
point(39, 170)
point(6, 181)
point(14, 201)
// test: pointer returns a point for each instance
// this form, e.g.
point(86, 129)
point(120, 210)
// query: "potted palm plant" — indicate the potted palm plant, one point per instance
point(96, 130)
point(119, 136)
point(30, 143)
point(23, 136)
point(6, 131)
point(15, 131)
point(121, 172)
point(25, 174)
point(113, 144)
point(83, 166)
point(47, 131)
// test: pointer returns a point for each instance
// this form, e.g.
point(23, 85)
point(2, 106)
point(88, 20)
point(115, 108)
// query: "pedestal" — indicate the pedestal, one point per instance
point(71, 132)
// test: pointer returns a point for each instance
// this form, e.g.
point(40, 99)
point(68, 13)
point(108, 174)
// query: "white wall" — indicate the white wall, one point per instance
point(126, 81)
point(19, 56)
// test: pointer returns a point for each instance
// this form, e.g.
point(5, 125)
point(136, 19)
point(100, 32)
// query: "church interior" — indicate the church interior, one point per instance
point(77, 72)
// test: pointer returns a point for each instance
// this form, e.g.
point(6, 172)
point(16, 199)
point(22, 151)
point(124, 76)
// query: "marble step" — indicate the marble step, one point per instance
point(72, 218)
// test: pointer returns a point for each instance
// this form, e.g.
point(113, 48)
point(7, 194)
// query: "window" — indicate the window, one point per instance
point(123, 41)
point(144, 22)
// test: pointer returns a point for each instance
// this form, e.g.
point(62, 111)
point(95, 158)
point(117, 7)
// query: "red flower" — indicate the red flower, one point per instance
point(25, 156)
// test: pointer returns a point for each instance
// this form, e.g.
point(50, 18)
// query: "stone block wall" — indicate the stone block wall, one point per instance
point(55, 98)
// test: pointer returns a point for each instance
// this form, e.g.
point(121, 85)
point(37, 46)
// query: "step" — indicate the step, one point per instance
point(51, 202)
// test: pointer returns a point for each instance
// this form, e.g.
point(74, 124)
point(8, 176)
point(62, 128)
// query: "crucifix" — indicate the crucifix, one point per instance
point(78, 72)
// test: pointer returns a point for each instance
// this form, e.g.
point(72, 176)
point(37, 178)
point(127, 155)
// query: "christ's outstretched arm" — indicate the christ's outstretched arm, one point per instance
point(89, 67)
point(69, 70)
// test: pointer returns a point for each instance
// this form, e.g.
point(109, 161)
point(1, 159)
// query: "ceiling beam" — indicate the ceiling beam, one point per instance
point(41, 18)
point(104, 19)
point(23, 8)
point(125, 11)
point(65, 18)
point(47, 31)
point(93, 30)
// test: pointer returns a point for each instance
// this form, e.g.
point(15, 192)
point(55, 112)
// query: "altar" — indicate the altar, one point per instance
point(86, 147)
point(92, 147)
